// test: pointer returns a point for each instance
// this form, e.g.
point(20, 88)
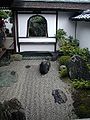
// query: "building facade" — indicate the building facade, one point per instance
point(54, 15)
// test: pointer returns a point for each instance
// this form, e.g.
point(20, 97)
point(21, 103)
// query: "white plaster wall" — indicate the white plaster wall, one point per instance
point(37, 39)
point(65, 23)
point(83, 34)
point(37, 47)
point(22, 24)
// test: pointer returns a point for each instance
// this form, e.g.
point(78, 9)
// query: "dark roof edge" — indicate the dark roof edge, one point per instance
point(56, 2)
point(50, 5)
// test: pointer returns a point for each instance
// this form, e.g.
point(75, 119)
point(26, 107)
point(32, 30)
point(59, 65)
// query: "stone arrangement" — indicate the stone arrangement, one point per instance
point(77, 68)
point(56, 54)
point(12, 110)
point(44, 67)
point(59, 96)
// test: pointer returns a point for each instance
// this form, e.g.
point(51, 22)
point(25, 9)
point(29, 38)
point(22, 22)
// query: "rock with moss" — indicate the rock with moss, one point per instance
point(16, 57)
point(12, 110)
point(63, 71)
point(78, 69)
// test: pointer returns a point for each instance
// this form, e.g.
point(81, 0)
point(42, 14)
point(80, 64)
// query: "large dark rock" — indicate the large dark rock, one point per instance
point(12, 110)
point(56, 54)
point(59, 96)
point(44, 67)
point(77, 68)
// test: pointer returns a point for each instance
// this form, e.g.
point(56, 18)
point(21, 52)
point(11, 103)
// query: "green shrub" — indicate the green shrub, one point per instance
point(16, 57)
point(72, 41)
point(63, 60)
point(63, 71)
point(88, 65)
point(61, 34)
point(70, 46)
point(81, 84)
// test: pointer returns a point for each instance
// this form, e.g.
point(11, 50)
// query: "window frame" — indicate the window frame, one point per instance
point(29, 27)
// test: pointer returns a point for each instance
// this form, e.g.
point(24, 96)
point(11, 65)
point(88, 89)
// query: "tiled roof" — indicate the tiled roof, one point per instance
point(84, 16)
point(5, 3)
point(51, 5)
point(45, 4)
point(58, 0)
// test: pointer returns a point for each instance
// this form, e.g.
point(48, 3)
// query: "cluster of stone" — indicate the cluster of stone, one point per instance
point(59, 96)
point(12, 110)
point(77, 68)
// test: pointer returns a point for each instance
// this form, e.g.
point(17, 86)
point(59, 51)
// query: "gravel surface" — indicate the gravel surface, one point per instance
point(35, 91)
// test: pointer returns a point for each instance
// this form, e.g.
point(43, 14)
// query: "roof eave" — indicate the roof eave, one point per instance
point(50, 5)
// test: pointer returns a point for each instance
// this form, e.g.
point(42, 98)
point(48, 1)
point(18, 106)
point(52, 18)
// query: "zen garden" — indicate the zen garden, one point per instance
point(73, 70)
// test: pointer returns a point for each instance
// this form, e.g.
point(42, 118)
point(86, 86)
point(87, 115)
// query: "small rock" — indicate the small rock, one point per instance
point(27, 66)
point(13, 72)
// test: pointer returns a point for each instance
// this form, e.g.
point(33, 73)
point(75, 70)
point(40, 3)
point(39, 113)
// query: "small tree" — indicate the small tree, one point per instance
point(3, 14)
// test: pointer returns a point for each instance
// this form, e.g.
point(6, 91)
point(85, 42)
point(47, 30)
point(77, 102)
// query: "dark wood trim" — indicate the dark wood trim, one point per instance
point(23, 37)
point(17, 32)
point(18, 47)
point(51, 37)
point(56, 23)
point(75, 29)
point(14, 36)
point(2, 53)
point(36, 12)
point(56, 28)
point(36, 37)
point(37, 43)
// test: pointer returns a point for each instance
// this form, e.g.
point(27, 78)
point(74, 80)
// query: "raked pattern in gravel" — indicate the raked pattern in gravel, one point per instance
point(35, 91)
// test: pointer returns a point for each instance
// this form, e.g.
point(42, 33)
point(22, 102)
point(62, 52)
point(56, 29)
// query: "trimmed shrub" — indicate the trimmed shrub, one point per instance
point(16, 57)
point(63, 60)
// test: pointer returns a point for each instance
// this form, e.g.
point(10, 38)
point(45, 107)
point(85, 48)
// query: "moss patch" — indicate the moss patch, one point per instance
point(82, 103)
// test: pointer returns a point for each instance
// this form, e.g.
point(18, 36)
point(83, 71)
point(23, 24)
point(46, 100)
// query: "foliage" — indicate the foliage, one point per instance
point(16, 57)
point(63, 71)
point(63, 60)
point(88, 65)
point(3, 14)
point(61, 35)
point(37, 26)
point(82, 103)
point(70, 46)
point(81, 84)
point(72, 41)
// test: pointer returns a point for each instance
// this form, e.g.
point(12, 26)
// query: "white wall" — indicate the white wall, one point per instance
point(83, 34)
point(37, 40)
point(40, 46)
point(37, 47)
point(22, 24)
point(65, 23)
point(22, 32)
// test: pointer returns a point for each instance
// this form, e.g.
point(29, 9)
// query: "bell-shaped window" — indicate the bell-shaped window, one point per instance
point(37, 26)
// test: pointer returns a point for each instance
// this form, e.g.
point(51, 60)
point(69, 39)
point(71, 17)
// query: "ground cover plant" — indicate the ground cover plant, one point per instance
point(81, 94)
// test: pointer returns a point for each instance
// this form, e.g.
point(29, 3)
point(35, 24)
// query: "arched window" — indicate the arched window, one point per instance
point(37, 26)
